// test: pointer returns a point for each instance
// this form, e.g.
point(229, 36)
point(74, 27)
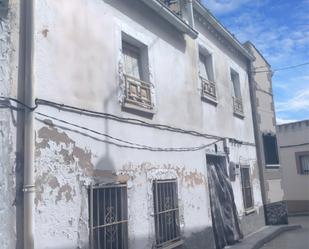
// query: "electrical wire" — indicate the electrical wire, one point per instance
point(129, 144)
point(282, 68)
point(293, 145)
point(121, 119)
point(126, 120)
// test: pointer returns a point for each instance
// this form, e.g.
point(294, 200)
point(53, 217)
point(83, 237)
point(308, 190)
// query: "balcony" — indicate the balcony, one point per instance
point(208, 90)
point(238, 107)
point(138, 92)
point(173, 5)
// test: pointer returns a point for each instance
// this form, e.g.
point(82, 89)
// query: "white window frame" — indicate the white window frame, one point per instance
point(238, 107)
point(138, 92)
point(209, 89)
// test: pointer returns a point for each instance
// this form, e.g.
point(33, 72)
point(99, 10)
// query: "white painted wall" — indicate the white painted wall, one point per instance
point(77, 60)
point(10, 162)
point(295, 185)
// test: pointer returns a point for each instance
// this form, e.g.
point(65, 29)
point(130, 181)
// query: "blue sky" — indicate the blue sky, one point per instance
point(280, 30)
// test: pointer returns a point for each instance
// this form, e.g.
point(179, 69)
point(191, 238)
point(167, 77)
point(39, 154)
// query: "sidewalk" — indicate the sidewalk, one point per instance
point(258, 239)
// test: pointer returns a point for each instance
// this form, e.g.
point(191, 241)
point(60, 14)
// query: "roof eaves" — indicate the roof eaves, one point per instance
point(202, 10)
point(169, 16)
point(258, 51)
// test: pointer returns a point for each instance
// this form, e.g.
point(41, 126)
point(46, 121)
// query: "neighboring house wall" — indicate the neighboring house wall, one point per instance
point(293, 139)
point(265, 125)
point(10, 147)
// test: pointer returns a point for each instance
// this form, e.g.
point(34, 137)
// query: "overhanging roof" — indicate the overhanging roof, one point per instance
point(169, 16)
point(205, 13)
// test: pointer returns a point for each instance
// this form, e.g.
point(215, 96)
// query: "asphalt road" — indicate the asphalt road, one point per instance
point(296, 239)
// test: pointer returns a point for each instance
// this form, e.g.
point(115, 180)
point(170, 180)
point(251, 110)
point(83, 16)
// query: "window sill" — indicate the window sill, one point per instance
point(273, 166)
point(250, 211)
point(239, 115)
point(136, 109)
point(173, 245)
point(209, 100)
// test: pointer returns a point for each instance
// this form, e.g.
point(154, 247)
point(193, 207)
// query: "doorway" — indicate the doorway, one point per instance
point(224, 214)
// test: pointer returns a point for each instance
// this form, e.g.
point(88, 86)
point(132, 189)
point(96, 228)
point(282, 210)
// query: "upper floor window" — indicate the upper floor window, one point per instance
point(302, 162)
point(137, 86)
point(237, 100)
point(206, 75)
point(270, 150)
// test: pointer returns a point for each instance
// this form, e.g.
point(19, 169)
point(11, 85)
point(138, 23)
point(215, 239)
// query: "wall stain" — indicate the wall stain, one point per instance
point(67, 191)
point(190, 178)
point(45, 32)
point(70, 153)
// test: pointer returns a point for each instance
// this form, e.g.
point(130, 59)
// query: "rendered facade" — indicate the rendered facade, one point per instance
point(264, 117)
point(293, 140)
point(126, 124)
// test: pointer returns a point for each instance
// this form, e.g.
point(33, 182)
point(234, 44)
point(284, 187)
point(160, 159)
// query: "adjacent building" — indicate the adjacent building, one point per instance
point(264, 118)
point(293, 140)
point(128, 124)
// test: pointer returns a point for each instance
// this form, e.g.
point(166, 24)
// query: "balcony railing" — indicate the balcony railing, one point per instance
point(208, 89)
point(138, 92)
point(173, 5)
point(238, 106)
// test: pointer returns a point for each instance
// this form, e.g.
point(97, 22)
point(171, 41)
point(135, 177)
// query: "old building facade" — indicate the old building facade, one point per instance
point(293, 140)
point(264, 118)
point(138, 127)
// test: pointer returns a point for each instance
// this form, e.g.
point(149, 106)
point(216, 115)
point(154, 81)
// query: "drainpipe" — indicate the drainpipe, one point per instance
point(29, 188)
point(190, 13)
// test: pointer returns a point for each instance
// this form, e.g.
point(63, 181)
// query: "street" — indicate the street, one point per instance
point(296, 239)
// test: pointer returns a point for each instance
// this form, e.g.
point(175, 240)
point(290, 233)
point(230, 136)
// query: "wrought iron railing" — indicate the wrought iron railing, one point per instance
point(238, 106)
point(173, 5)
point(208, 89)
point(138, 92)
point(108, 217)
point(166, 212)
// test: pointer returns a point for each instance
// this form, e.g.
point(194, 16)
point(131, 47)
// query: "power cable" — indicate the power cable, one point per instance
point(121, 119)
point(282, 68)
point(128, 144)
point(293, 145)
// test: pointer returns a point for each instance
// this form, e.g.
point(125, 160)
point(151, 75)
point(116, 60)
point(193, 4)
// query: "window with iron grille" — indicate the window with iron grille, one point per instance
point(246, 187)
point(108, 217)
point(137, 89)
point(166, 212)
point(270, 150)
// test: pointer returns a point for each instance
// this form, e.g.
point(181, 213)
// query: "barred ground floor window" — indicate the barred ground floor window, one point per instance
point(108, 217)
point(166, 213)
point(246, 187)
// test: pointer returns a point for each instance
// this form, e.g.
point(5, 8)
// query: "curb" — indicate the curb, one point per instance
point(273, 235)
point(260, 238)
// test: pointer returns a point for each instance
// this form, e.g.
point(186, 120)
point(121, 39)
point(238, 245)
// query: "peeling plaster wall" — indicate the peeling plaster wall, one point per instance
point(9, 156)
point(77, 55)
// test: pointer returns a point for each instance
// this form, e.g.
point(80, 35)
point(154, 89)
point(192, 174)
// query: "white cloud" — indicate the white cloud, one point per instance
point(224, 6)
point(285, 121)
point(298, 103)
